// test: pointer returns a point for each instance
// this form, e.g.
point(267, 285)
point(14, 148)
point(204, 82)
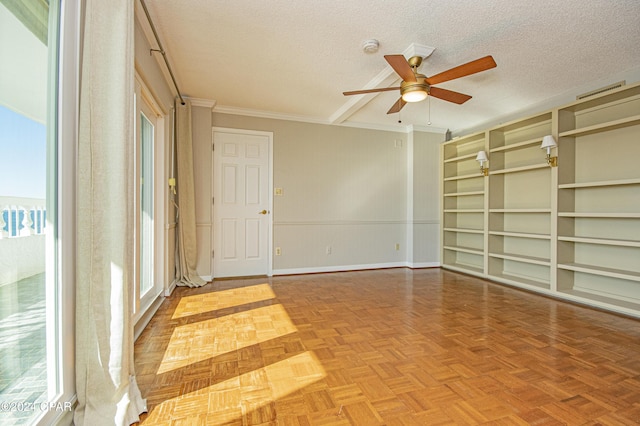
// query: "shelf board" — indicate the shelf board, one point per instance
point(597, 128)
point(521, 235)
point(523, 259)
point(600, 215)
point(519, 169)
point(463, 210)
point(519, 210)
point(524, 123)
point(604, 272)
point(613, 301)
point(462, 157)
point(518, 145)
point(520, 281)
point(617, 182)
point(464, 230)
point(464, 268)
point(461, 143)
point(467, 176)
point(603, 241)
point(464, 194)
point(461, 249)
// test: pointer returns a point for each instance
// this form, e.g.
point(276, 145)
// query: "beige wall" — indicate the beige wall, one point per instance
point(426, 198)
point(345, 188)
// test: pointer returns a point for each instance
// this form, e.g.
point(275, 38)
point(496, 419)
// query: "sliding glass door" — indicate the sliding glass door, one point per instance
point(35, 353)
point(149, 130)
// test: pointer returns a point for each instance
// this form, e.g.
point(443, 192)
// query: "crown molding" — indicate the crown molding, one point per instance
point(427, 129)
point(222, 109)
point(200, 102)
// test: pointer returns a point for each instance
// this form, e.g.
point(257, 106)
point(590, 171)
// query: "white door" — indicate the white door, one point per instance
point(242, 203)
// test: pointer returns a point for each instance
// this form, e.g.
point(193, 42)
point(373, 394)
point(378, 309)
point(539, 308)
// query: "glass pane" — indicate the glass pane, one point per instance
point(146, 205)
point(27, 278)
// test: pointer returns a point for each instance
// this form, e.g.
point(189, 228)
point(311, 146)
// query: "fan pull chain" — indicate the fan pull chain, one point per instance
point(429, 106)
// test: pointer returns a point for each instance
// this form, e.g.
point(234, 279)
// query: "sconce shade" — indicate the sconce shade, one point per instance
point(548, 142)
point(482, 157)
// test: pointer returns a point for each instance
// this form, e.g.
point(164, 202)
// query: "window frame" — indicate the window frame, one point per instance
point(62, 135)
point(145, 103)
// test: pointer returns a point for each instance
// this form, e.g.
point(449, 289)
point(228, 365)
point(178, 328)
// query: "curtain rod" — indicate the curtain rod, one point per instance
point(161, 49)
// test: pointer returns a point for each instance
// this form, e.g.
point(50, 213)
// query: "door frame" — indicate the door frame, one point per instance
point(146, 103)
point(214, 231)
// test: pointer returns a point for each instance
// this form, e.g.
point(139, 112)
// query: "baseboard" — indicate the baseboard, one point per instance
point(144, 319)
point(172, 287)
point(339, 268)
point(425, 265)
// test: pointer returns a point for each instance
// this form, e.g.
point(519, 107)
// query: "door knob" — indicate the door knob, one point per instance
point(264, 212)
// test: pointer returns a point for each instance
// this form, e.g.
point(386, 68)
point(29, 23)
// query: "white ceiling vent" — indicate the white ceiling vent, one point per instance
point(601, 90)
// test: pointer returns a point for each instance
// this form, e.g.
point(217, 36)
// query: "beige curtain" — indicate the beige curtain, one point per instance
point(105, 381)
point(186, 248)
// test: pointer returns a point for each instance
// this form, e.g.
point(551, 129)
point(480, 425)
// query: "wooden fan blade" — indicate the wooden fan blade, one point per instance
point(401, 66)
point(397, 106)
point(448, 95)
point(362, 92)
point(463, 70)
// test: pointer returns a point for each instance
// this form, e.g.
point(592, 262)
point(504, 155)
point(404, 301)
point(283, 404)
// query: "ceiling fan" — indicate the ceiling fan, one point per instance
point(416, 87)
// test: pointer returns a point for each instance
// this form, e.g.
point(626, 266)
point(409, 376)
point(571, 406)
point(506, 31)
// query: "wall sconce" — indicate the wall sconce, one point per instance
point(549, 142)
point(482, 158)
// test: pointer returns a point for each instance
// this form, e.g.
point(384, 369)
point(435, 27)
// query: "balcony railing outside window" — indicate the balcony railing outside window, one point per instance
point(22, 238)
point(23, 366)
point(22, 217)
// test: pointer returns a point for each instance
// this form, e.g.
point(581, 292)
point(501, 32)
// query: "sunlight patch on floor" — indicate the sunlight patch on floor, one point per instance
point(233, 399)
point(201, 303)
point(192, 343)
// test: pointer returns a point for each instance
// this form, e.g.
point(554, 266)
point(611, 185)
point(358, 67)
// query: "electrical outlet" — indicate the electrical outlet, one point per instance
point(278, 191)
point(328, 250)
point(278, 251)
point(397, 246)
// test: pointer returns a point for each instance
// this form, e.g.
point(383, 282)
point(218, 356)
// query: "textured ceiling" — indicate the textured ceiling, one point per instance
point(293, 60)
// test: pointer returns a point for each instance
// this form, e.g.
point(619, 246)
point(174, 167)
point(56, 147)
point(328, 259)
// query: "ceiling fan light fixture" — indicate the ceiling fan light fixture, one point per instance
point(414, 94)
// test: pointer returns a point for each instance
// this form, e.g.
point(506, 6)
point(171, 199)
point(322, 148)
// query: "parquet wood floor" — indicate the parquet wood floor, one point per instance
point(385, 347)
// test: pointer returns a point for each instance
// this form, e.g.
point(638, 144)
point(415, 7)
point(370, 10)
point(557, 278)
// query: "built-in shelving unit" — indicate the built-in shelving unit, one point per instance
point(599, 199)
point(520, 203)
point(464, 196)
point(571, 231)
